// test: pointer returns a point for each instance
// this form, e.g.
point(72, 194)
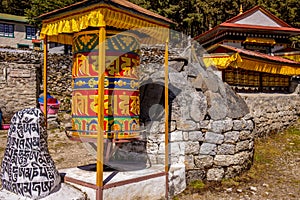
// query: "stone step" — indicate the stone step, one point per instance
point(65, 190)
point(151, 189)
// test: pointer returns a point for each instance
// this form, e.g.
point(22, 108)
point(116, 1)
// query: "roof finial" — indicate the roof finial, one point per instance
point(241, 9)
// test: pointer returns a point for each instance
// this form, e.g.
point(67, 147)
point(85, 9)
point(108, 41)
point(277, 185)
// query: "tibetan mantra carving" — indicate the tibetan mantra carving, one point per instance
point(27, 167)
point(121, 86)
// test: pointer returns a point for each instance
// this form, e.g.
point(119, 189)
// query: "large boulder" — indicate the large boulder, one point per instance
point(27, 167)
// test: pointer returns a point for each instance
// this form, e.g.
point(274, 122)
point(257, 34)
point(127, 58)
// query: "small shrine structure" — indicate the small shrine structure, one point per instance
point(253, 51)
point(105, 38)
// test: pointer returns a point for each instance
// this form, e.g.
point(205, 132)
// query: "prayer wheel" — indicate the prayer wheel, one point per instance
point(121, 86)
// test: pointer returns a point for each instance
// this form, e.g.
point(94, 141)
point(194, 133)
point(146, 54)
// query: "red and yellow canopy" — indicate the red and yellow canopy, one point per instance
point(60, 25)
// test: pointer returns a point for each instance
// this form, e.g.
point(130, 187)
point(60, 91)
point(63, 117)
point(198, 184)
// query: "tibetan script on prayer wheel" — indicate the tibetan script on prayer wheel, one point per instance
point(121, 86)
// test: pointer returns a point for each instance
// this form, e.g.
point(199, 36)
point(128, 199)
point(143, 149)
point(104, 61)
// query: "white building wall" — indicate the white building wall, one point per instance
point(19, 36)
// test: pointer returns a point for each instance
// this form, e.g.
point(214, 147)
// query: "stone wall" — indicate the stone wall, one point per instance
point(19, 80)
point(60, 79)
point(273, 112)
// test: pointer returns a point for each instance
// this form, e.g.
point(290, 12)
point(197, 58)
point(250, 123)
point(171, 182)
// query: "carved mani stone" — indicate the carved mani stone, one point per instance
point(27, 167)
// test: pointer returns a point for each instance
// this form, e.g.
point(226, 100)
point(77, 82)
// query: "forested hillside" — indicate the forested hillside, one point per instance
point(192, 16)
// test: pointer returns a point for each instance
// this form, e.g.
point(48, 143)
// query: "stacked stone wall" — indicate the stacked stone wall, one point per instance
point(273, 112)
point(211, 130)
point(60, 79)
point(19, 80)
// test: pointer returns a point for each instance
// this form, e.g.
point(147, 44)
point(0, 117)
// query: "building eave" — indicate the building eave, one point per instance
point(123, 4)
point(13, 18)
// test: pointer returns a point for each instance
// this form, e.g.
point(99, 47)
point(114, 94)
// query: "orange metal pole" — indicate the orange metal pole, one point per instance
point(100, 134)
point(167, 115)
point(45, 78)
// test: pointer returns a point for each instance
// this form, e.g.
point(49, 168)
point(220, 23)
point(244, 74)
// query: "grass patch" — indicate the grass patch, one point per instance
point(268, 150)
point(197, 184)
point(294, 131)
point(293, 139)
point(232, 182)
point(262, 158)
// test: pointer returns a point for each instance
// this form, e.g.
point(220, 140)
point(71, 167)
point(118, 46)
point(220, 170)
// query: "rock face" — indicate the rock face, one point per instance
point(27, 167)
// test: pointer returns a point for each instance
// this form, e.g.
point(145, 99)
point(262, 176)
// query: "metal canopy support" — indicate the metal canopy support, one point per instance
point(101, 70)
point(167, 117)
point(45, 79)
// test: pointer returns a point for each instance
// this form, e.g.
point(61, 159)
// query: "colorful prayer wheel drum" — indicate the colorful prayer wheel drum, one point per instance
point(121, 86)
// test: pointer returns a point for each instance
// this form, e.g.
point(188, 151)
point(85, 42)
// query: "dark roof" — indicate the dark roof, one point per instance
point(117, 3)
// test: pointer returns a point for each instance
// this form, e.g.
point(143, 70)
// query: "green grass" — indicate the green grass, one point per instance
point(197, 184)
point(294, 131)
point(232, 182)
point(293, 139)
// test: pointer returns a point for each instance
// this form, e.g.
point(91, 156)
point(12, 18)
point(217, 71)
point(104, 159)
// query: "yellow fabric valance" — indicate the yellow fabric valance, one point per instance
point(260, 40)
point(61, 29)
point(236, 61)
point(221, 60)
point(295, 57)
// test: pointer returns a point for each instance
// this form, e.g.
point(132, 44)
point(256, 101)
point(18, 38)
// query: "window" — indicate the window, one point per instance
point(6, 30)
point(23, 46)
point(30, 32)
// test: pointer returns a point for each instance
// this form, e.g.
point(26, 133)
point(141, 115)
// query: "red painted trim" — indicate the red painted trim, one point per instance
point(245, 26)
point(133, 180)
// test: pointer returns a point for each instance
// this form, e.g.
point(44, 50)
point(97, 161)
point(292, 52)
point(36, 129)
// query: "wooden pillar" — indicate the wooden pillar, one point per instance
point(167, 116)
point(100, 133)
point(45, 47)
